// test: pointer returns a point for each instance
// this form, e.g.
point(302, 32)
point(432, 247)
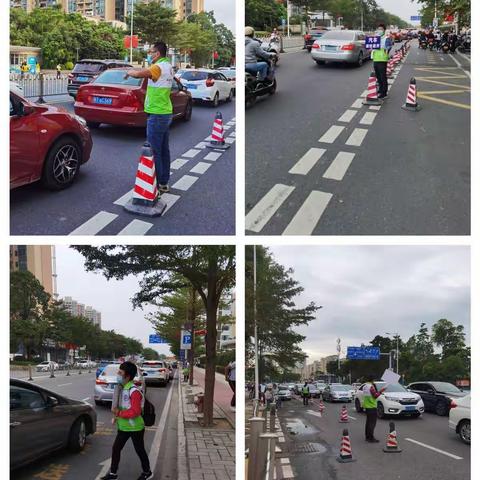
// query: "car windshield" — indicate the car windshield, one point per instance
point(341, 388)
point(117, 77)
point(194, 76)
point(87, 67)
point(339, 35)
point(391, 387)
point(445, 387)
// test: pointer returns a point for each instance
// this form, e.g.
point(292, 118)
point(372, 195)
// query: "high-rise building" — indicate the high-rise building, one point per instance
point(78, 309)
point(37, 259)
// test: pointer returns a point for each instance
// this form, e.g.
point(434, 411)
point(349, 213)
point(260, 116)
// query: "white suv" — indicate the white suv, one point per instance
point(395, 400)
point(156, 371)
point(459, 417)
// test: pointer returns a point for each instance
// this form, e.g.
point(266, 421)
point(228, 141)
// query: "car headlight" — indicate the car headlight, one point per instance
point(80, 120)
point(391, 399)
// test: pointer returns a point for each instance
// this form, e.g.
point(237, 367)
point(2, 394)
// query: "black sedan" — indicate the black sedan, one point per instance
point(42, 421)
point(436, 396)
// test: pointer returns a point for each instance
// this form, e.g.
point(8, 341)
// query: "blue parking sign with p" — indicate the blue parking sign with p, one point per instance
point(372, 42)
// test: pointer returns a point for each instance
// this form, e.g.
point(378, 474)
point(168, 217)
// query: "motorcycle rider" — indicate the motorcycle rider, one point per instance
point(254, 51)
point(438, 39)
point(274, 37)
point(431, 37)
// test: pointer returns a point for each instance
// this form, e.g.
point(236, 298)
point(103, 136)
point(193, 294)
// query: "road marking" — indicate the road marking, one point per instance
point(124, 199)
point(357, 103)
point(95, 224)
point(64, 384)
point(191, 153)
point(331, 134)
point(368, 118)
point(233, 134)
point(438, 82)
point(185, 182)
point(446, 102)
point(178, 163)
point(136, 227)
point(261, 213)
point(364, 94)
point(201, 167)
point(347, 116)
point(460, 65)
point(353, 418)
point(307, 162)
point(308, 215)
point(440, 92)
point(339, 166)
point(229, 140)
point(357, 136)
point(213, 156)
point(375, 107)
point(201, 145)
point(443, 452)
point(315, 414)
point(468, 59)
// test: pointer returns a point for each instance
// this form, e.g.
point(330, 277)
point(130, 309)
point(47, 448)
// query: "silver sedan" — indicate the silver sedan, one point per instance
point(345, 46)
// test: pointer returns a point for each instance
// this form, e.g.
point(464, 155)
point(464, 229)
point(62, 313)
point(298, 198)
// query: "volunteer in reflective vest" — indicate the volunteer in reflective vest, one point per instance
point(305, 393)
point(370, 395)
point(129, 422)
point(159, 109)
point(380, 58)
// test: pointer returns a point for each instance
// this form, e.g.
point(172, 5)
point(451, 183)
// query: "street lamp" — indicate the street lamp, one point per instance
point(255, 332)
point(397, 335)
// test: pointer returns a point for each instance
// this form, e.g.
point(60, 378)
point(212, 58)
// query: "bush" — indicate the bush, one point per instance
point(69, 66)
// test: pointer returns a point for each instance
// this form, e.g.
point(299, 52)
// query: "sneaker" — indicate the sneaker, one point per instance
point(163, 188)
point(110, 476)
point(144, 476)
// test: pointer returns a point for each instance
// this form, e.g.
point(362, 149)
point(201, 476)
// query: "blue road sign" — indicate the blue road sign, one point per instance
point(182, 355)
point(363, 353)
point(187, 340)
point(415, 18)
point(372, 42)
point(154, 338)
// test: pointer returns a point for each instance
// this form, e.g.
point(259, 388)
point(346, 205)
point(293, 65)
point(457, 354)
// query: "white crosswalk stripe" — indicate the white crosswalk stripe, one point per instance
point(185, 182)
point(136, 227)
point(331, 134)
point(201, 168)
point(347, 116)
point(357, 136)
point(339, 166)
point(307, 162)
point(95, 224)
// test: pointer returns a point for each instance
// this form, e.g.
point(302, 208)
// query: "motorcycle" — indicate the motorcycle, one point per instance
point(272, 45)
point(254, 87)
point(423, 44)
point(445, 47)
point(465, 44)
point(431, 44)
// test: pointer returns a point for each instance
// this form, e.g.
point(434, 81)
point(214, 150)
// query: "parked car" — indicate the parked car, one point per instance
point(345, 46)
point(337, 393)
point(47, 143)
point(114, 100)
point(102, 364)
point(459, 417)
point(207, 85)
point(284, 394)
point(47, 366)
point(106, 381)
point(87, 70)
point(310, 37)
point(155, 371)
point(436, 396)
point(42, 422)
point(396, 400)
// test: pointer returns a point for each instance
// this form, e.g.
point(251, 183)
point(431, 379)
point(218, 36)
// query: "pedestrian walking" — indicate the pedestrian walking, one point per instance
point(59, 70)
point(380, 59)
point(158, 108)
point(230, 378)
point(130, 422)
point(370, 395)
point(305, 393)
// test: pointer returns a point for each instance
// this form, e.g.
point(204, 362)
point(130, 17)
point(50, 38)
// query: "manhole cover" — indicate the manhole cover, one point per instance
point(305, 447)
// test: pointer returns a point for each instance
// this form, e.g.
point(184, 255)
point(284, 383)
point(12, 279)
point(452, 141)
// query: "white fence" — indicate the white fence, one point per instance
point(40, 85)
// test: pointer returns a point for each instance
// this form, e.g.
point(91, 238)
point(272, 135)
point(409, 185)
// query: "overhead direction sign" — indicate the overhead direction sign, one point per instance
point(363, 353)
point(154, 338)
point(416, 18)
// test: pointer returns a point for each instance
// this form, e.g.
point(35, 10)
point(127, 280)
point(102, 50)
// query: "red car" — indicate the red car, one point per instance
point(112, 99)
point(47, 143)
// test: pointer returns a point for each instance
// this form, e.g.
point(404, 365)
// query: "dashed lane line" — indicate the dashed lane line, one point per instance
point(375, 107)
point(443, 452)
point(185, 182)
point(347, 116)
point(191, 153)
point(308, 215)
point(339, 166)
point(95, 224)
point(357, 103)
point(213, 156)
point(201, 167)
point(261, 213)
point(331, 134)
point(136, 227)
point(178, 163)
point(367, 118)
point(357, 137)
point(307, 162)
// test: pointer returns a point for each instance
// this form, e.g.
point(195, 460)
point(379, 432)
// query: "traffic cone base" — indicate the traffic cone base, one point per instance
point(392, 444)
point(411, 108)
point(392, 450)
point(133, 206)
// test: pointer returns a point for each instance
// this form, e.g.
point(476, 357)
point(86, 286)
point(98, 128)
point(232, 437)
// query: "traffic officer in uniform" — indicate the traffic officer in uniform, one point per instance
point(370, 395)
point(380, 59)
point(305, 393)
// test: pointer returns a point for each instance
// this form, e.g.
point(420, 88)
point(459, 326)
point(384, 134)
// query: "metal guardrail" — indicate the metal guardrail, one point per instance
point(40, 85)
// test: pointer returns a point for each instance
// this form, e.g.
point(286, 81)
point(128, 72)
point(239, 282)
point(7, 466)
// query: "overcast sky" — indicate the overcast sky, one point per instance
point(111, 298)
point(369, 290)
point(224, 11)
point(403, 8)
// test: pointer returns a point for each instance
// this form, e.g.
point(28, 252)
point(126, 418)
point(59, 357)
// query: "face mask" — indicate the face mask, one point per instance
point(120, 379)
point(381, 33)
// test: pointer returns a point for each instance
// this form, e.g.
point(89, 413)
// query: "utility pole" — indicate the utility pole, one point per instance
point(397, 352)
point(361, 15)
point(288, 18)
point(191, 318)
point(255, 330)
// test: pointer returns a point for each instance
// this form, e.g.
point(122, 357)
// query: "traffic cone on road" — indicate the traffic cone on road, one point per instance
point(218, 134)
point(411, 101)
point(390, 68)
point(345, 449)
point(145, 199)
point(344, 415)
point(392, 444)
point(321, 407)
point(372, 94)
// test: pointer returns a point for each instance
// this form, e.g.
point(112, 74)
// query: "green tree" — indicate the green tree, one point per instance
point(449, 337)
point(153, 23)
point(197, 42)
point(264, 14)
point(150, 354)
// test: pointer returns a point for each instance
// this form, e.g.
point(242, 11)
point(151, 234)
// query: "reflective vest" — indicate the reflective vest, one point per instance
point(368, 400)
point(305, 390)
point(129, 424)
point(157, 99)
point(381, 54)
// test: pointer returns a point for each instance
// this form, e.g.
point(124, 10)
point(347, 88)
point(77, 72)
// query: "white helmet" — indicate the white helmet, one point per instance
point(249, 31)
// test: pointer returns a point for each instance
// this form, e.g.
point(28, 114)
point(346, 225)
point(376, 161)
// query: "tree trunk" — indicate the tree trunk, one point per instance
point(191, 317)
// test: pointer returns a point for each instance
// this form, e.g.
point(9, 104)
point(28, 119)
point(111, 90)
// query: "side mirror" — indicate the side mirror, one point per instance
point(52, 402)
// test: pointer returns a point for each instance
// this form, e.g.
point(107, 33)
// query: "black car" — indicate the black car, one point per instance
point(436, 396)
point(310, 37)
point(87, 70)
point(42, 421)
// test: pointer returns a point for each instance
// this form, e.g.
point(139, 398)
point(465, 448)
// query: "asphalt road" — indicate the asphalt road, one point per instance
point(95, 458)
point(201, 203)
point(312, 443)
point(409, 174)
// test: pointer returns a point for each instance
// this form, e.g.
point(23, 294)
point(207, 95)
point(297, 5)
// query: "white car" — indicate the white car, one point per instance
point(84, 364)
point(207, 85)
point(321, 386)
point(459, 418)
point(395, 400)
point(156, 371)
point(46, 366)
point(284, 394)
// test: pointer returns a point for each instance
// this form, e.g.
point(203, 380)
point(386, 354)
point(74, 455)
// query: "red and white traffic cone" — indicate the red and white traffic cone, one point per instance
point(218, 134)
point(344, 415)
point(345, 449)
point(321, 407)
point(392, 444)
point(411, 102)
point(145, 199)
point(390, 68)
point(372, 94)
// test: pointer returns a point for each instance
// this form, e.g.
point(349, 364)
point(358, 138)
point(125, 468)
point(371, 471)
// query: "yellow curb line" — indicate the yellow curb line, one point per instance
point(446, 102)
point(440, 92)
point(436, 82)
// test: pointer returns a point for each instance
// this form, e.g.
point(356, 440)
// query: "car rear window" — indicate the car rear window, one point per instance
point(193, 76)
point(110, 370)
point(153, 365)
point(339, 35)
point(116, 77)
point(88, 67)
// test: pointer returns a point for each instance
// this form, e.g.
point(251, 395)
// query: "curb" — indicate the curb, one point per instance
point(182, 458)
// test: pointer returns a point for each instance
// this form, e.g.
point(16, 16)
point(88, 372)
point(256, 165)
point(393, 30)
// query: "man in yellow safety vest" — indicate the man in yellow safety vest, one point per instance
point(370, 395)
point(380, 58)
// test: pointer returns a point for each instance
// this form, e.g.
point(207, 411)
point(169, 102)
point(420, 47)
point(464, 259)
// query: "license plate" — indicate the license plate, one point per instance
point(83, 79)
point(102, 100)
point(410, 408)
point(111, 386)
point(330, 48)
point(191, 86)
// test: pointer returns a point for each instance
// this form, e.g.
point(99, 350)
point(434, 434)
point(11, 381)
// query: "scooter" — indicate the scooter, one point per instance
point(465, 44)
point(423, 44)
point(254, 87)
point(431, 44)
point(445, 47)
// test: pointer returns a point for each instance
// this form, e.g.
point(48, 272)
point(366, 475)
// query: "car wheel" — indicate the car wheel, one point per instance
point(98, 402)
point(380, 410)
point(320, 62)
point(188, 112)
point(78, 436)
point(230, 97)
point(441, 409)
point(93, 124)
point(358, 407)
point(464, 431)
point(62, 164)
point(360, 59)
point(214, 102)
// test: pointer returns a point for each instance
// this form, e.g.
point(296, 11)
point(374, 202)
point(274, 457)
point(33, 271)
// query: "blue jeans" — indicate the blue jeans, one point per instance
point(261, 67)
point(157, 137)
